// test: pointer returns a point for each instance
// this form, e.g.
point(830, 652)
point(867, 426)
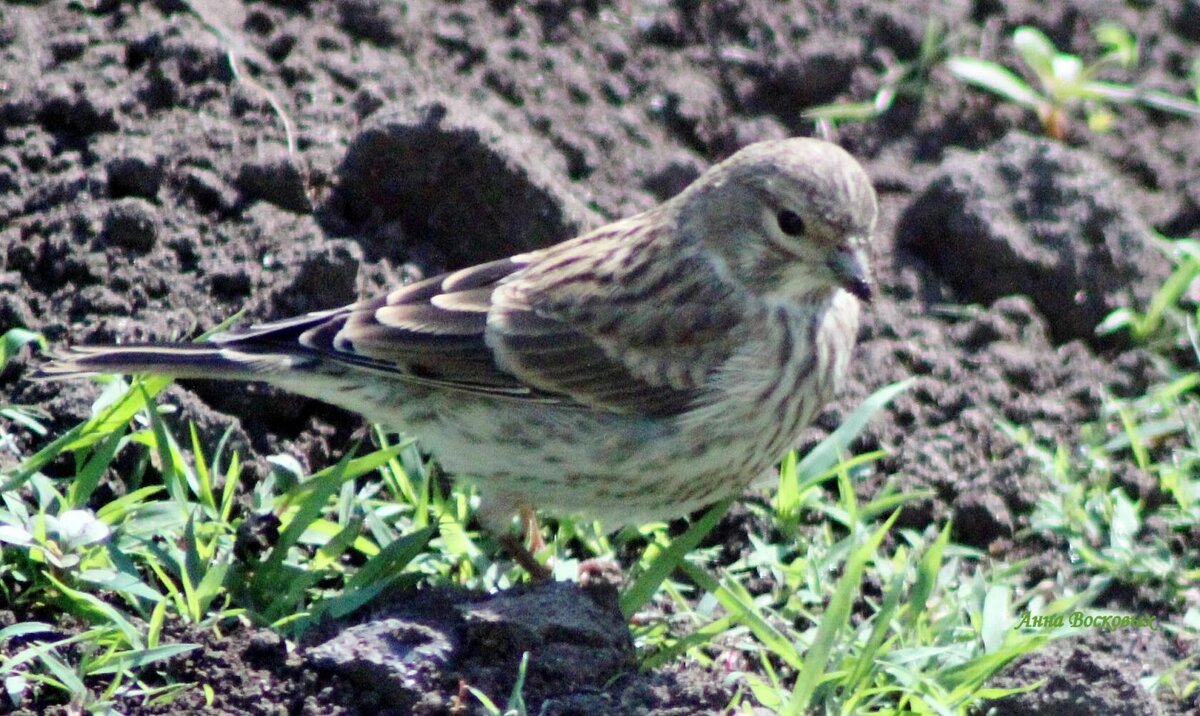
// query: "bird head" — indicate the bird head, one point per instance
point(790, 218)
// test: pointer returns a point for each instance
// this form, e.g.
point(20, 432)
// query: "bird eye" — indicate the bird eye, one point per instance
point(790, 223)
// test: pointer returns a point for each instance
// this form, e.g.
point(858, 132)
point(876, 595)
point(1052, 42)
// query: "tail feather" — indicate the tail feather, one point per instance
point(178, 360)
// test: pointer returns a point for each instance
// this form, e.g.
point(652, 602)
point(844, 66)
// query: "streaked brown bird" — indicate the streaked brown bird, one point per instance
point(640, 371)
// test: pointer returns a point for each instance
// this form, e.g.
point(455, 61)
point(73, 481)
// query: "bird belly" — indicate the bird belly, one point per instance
point(620, 469)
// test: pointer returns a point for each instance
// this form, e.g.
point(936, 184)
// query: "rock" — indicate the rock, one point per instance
point(575, 637)
point(136, 174)
point(275, 179)
point(1033, 216)
point(453, 178)
point(131, 224)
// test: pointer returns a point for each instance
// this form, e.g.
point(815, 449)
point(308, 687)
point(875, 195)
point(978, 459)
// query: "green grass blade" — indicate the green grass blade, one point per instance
point(927, 575)
point(175, 473)
point(679, 647)
point(137, 658)
point(229, 491)
point(837, 615)
point(864, 660)
point(996, 79)
point(203, 476)
point(67, 677)
point(647, 583)
point(824, 456)
point(155, 626)
point(741, 606)
point(87, 479)
point(311, 498)
point(23, 628)
point(95, 608)
point(391, 559)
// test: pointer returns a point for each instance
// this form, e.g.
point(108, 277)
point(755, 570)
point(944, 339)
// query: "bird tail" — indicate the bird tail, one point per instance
point(179, 360)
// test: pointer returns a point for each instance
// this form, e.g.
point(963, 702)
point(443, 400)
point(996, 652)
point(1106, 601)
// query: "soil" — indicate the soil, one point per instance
point(150, 188)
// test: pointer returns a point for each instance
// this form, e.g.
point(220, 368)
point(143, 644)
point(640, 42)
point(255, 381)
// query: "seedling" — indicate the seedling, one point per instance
point(905, 79)
point(1162, 320)
point(1066, 82)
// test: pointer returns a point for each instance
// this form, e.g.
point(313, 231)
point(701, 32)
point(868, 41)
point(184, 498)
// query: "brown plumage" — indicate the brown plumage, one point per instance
point(639, 371)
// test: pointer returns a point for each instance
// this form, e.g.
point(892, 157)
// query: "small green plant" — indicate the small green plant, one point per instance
point(16, 338)
point(168, 549)
point(516, 699)
point(1163, 320)
point(1066, 82)
point(1108, 531)
point(907, 79)
point(60, 540)
point(928, 642)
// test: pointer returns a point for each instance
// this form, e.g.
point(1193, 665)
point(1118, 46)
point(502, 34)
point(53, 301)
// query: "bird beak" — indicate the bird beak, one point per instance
point(849, 264)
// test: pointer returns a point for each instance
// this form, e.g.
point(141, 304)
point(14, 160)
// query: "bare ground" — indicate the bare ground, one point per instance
point(148, 191)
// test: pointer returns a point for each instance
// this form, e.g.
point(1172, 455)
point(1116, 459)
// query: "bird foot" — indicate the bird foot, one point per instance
point(516, 548)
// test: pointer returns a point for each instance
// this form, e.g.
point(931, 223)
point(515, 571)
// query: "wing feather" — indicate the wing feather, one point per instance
point(557, 325)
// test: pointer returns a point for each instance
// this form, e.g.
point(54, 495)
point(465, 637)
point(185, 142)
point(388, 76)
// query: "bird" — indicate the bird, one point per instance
point(640, 371)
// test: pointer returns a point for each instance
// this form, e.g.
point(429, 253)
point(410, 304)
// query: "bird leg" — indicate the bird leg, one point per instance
point(522, 555)
point(530, 529)
point(495, 516)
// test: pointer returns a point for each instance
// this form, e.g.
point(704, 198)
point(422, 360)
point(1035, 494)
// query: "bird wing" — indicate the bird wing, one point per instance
point(600, 322)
